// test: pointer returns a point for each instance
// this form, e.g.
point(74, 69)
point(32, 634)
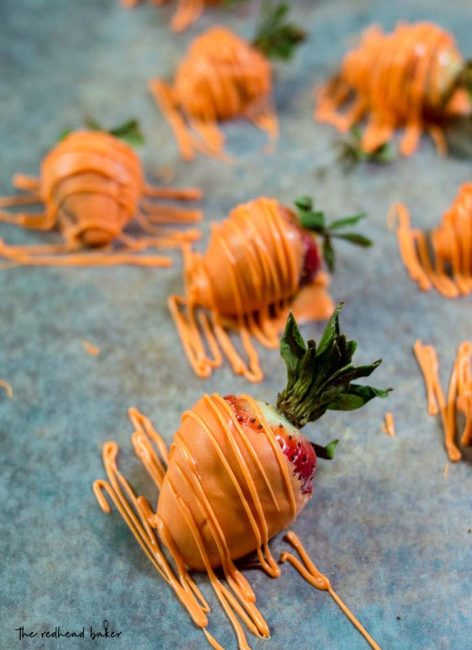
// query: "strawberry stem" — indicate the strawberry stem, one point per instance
point(319, 377)
point(315, 221)
point(277, 38)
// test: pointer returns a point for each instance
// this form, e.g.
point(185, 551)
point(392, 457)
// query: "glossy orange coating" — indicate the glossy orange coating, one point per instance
point(224, 490)
point(221, 77)
point(246, 281)
point(91, 187)
point(399, 79)
point(236, 503)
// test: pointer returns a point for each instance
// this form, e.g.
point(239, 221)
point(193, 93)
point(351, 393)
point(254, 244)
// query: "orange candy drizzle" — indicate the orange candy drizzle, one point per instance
point(7, 388)
point(100, 179)
point(269, 259)
point(90, 348)
point(389, 425)
point(310, 573)
point(235, 594)
point(188, 11)
point(449, 268)
point(222, 77)
point(459, 396)
point(396, 78)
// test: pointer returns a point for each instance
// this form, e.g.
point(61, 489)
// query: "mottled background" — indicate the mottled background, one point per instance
point(387, 526)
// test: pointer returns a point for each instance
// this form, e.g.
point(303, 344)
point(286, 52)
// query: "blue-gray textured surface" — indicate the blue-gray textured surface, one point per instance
point(385, 524)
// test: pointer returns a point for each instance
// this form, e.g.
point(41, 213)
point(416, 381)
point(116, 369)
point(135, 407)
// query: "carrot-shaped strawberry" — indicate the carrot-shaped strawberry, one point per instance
point(414, 78)
point(262, 260)
point(91, 187)
point(223, 77)
point(444, 259)
point(238, 472)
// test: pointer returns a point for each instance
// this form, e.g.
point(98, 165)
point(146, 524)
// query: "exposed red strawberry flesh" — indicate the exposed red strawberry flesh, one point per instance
point(294, 445)
point(311, 260)
point(302, 456)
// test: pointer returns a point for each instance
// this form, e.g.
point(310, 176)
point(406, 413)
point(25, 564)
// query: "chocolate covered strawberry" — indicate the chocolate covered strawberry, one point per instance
point(238, 472)
point(294, 445)
point(250, 459)
point(262, 261)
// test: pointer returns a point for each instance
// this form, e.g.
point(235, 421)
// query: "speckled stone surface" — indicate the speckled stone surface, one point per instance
point(385, 524)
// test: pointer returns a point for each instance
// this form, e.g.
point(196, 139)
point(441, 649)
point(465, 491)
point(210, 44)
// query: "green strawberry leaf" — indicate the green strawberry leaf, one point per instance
point(331, 330)
point(356, 397)
point(319, 377)
point(355, 238)
point(337, 224)
point(63, 134)
point(327, 453)
point(277, 38)
point(129, 131)
point(304, 203)
point(328, 254)
point(315, 221)
point(292, 345)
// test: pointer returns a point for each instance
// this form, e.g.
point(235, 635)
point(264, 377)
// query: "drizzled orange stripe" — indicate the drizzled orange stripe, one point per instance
point(399, 79)
point(221, 77)
point(122, 497)
point(252, 266)
point(310, 573)
point(90, 348)
point(445, 261)
point(237, 600)
point(389, 425)
point(234, 594)
point(459, 397)
point(91, 187)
